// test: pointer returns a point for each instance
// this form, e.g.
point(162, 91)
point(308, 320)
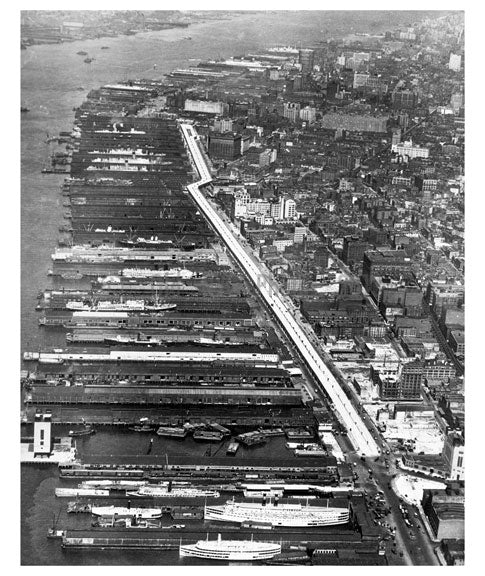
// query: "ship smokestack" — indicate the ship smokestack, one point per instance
point(276, 499)
point(170, 486)
point(264, 499)
point(129, 504)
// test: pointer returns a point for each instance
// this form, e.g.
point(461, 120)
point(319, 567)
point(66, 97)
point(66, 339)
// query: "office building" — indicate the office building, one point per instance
point(225, 146)
point(454, 62)
point(306, 59)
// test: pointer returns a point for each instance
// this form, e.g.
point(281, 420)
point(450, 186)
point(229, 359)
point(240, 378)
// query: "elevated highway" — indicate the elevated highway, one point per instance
point(358, 433)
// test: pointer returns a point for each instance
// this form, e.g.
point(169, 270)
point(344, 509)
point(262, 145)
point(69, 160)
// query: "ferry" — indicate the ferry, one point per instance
point(144, 513)
point(288, 515)
point(167, 491)
point(232, 550)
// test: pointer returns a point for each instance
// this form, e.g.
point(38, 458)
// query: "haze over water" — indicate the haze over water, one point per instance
point(51, 78)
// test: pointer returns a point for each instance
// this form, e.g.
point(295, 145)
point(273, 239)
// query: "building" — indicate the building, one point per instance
point(306, 60)
point(42, 435)
point(445, 512)
point(408, 151)
point(360, 80)
point(225, 146)
point(454, 62)
point(354, 122)
point(223, 125)
point(456, 102)
point(308, 114)
point(289, 212)
point(404, 99)
point(205, 107)
point(299, 234)
point(384, 263)
point(454, 456)
point(291, 110)
point(353, 250)
point(406, 385)
point(294, 284)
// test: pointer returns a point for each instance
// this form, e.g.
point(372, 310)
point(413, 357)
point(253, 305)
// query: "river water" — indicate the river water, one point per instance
point(54, 80)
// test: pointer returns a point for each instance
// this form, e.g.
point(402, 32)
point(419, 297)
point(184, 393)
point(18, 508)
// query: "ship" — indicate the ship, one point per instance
point(208, 435)
point(144, 513)
point(142, 428)
point(128, 306)
point(166, 490)
point(82, 53)
point(232, 448)
point(172, 432)
point(230, 550)
point(24, 109)
point(140, 241)
point(288, 515)
point(147, 273)
point(112, 484)
point(78, 492)
point(86, 431)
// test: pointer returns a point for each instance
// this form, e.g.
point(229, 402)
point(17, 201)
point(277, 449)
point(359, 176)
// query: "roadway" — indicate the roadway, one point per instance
point(357, 430)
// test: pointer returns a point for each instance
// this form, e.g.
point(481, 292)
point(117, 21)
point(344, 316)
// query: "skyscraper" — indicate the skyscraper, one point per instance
point(306, 58)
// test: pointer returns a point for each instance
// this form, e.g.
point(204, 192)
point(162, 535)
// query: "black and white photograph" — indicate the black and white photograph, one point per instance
point(242, 285)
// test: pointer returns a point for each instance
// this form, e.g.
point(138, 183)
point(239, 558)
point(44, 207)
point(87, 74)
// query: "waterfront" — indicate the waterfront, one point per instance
point(52, 77)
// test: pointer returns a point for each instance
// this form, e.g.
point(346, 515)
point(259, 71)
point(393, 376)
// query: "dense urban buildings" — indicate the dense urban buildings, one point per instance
point(261, 273)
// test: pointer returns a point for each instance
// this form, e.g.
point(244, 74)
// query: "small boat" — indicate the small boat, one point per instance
point(24, 109)
point(71, 275)
point(86, 431)
point(143, 426)
point(88, 60)
point(232, 448)
point(82, 53)
point(104, 47)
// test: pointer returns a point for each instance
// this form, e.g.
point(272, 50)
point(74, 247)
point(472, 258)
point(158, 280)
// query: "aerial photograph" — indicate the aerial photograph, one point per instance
point(242, 286)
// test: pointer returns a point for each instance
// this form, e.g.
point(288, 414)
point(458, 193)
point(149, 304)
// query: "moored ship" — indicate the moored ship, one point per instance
point(172, 432)
point(294, 515)
point(166, 490)
point(119, 511)
point(233, 550)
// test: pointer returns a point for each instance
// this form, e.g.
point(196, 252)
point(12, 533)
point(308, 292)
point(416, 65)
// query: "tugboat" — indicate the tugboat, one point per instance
point(143, 426)
point(86, 431)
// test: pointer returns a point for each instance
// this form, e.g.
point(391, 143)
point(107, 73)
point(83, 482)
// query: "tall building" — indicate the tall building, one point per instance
point(291, 110)
point(223, 125)
point(306, 59)
point(225, 146)
point(290, 209)
point(455, 62)
point(396, 136)
point(308, 114)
